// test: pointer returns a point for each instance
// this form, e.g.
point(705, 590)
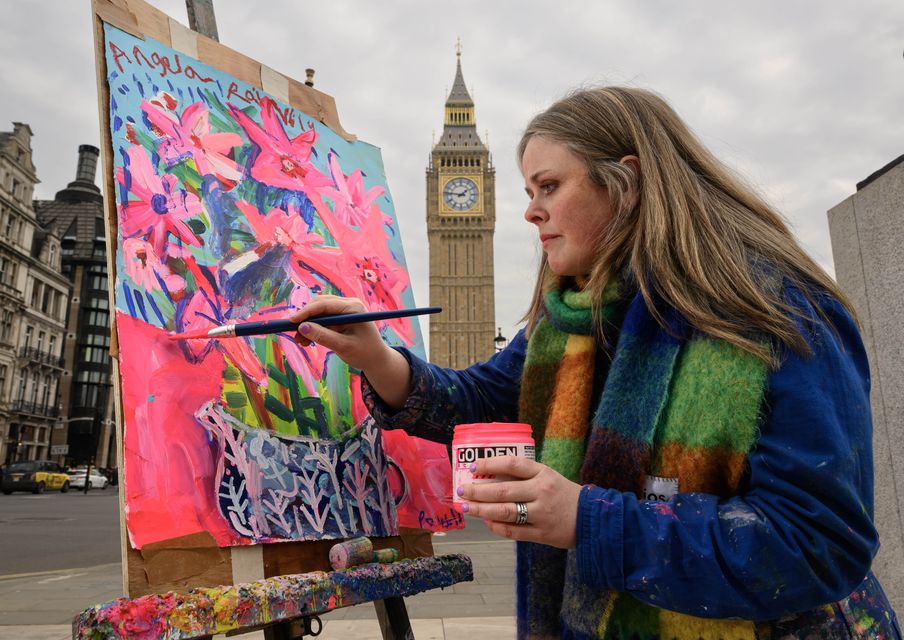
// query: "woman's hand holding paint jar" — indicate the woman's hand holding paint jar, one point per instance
point(551, 500)
point(359, 345)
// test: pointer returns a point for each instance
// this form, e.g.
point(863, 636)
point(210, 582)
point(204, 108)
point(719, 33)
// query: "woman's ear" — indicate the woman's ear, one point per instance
point(632, 197)
point(633, 162)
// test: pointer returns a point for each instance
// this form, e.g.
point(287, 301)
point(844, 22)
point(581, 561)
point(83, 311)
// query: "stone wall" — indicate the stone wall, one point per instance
point(867, 231)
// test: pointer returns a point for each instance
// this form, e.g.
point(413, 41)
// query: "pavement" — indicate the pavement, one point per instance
point(41, 605)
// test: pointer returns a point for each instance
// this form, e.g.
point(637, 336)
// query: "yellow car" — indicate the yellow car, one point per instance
point(34, 476)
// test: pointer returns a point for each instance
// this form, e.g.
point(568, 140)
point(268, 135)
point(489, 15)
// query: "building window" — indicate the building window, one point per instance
point(41, 336)
point(36, 289)
point(6, 326)
point(99, 302)
point(8, 269)
point(29, 334)
point(34, 388)
point(45, 391)
point(45, 299)
point(58, 305)
point(53, 256)
point(96, 355)
point(52, 347)
point(97, 281)
point(98, 318)
point(4, 371)
point(93, 377)
point(101, 340)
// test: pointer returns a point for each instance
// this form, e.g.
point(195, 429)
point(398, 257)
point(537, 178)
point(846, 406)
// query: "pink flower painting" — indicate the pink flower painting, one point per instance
point(147, 270)
point(161, 207)
point(281, 162)
point(351, 203)
point(189, 136)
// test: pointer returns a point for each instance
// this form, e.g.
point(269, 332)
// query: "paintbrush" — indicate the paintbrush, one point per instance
point(265, 327)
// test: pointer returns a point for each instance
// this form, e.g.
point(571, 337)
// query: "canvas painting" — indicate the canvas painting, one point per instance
point(232, 207)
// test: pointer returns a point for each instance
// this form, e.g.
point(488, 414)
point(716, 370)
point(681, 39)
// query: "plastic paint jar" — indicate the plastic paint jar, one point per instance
point(472, 442)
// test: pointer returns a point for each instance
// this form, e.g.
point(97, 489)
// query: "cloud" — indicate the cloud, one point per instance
point(803, 102)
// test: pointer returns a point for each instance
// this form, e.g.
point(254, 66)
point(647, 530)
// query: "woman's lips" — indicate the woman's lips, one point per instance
point(545, 238)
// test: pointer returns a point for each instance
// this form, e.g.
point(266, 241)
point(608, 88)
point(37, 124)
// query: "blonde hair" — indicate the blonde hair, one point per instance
point(694, 237)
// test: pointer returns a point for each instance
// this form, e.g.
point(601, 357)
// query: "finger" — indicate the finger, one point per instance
point(518, 491)
point(497, 511)
point(515, 466)
point(514, 531)
point(313, 332)
point(327, 305)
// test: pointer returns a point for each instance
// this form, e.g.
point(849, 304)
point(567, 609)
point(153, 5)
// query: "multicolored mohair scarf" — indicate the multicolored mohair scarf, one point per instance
point(675, 404)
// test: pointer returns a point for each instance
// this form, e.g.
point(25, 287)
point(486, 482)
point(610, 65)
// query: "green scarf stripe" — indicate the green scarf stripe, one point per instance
point(570, 311)
point(564, 455)
point(546, 346)
point(708, 369)
point(632, 619)
point(567, 318)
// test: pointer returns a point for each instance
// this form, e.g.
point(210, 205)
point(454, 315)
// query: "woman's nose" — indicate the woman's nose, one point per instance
point(534, 214)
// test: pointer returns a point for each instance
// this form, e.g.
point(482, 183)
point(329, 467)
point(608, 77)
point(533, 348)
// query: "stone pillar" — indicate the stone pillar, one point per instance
point(868, 248)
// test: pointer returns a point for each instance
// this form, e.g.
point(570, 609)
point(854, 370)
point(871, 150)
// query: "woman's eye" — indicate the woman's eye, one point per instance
point(548, 187)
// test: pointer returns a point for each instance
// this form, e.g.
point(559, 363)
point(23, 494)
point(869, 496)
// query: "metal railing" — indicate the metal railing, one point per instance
point(42, 357)
point(22, 406)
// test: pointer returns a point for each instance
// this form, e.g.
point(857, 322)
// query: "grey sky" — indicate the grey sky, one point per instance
point(804, 99)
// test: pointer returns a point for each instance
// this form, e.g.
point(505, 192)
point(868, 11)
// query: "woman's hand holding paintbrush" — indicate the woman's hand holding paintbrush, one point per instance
point(359, 345)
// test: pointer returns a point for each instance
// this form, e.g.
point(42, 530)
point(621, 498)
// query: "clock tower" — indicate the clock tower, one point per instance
point(461, 216)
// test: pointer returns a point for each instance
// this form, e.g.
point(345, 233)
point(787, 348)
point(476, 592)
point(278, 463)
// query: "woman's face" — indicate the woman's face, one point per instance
point(568, 208)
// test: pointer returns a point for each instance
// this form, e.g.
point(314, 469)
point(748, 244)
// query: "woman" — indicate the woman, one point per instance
point(698, 390)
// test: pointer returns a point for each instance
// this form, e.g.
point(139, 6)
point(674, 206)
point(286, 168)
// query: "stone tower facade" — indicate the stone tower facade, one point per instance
point(461, 217)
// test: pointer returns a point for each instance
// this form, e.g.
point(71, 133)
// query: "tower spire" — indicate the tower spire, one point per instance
point(459, 96)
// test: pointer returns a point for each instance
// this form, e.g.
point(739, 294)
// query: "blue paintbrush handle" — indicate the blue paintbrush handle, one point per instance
point(265, 327)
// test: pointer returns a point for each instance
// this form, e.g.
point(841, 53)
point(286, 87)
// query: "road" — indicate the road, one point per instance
point(58, 530)
point(74, 530)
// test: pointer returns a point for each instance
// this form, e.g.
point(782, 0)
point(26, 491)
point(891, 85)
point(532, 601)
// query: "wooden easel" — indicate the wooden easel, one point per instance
point(180, 565)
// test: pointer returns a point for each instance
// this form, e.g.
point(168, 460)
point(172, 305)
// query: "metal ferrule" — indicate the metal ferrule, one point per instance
point(226, 331)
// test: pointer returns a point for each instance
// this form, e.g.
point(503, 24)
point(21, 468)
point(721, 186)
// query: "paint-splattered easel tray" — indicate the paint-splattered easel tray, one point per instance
point(203, 612)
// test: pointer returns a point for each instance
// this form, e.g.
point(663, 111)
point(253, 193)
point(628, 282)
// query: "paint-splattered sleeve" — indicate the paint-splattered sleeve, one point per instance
point(441, 398)
point(801, 533)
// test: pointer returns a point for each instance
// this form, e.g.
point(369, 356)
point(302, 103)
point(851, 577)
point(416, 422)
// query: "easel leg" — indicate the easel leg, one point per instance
point(393, 618)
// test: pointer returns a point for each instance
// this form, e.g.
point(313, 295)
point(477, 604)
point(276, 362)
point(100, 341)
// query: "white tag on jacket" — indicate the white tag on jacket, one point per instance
point(656, 488)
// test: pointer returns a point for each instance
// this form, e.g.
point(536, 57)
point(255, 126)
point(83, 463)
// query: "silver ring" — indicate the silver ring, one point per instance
point(521, 510)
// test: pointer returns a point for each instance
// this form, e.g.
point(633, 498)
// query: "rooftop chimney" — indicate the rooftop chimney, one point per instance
point(83, 189)
point(87, 163)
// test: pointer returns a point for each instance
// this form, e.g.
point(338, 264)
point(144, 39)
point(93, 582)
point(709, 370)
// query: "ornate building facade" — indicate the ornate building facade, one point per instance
point(34, 297)
point(461, 218)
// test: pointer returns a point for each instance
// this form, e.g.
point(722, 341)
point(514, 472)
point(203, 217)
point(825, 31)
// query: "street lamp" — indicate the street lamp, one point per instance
point(500, 340)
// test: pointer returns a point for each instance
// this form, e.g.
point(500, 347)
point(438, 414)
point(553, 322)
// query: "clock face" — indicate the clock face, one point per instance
point(460, 194)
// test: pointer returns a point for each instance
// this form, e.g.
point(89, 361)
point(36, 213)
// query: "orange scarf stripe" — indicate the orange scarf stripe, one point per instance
point(570, 407)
